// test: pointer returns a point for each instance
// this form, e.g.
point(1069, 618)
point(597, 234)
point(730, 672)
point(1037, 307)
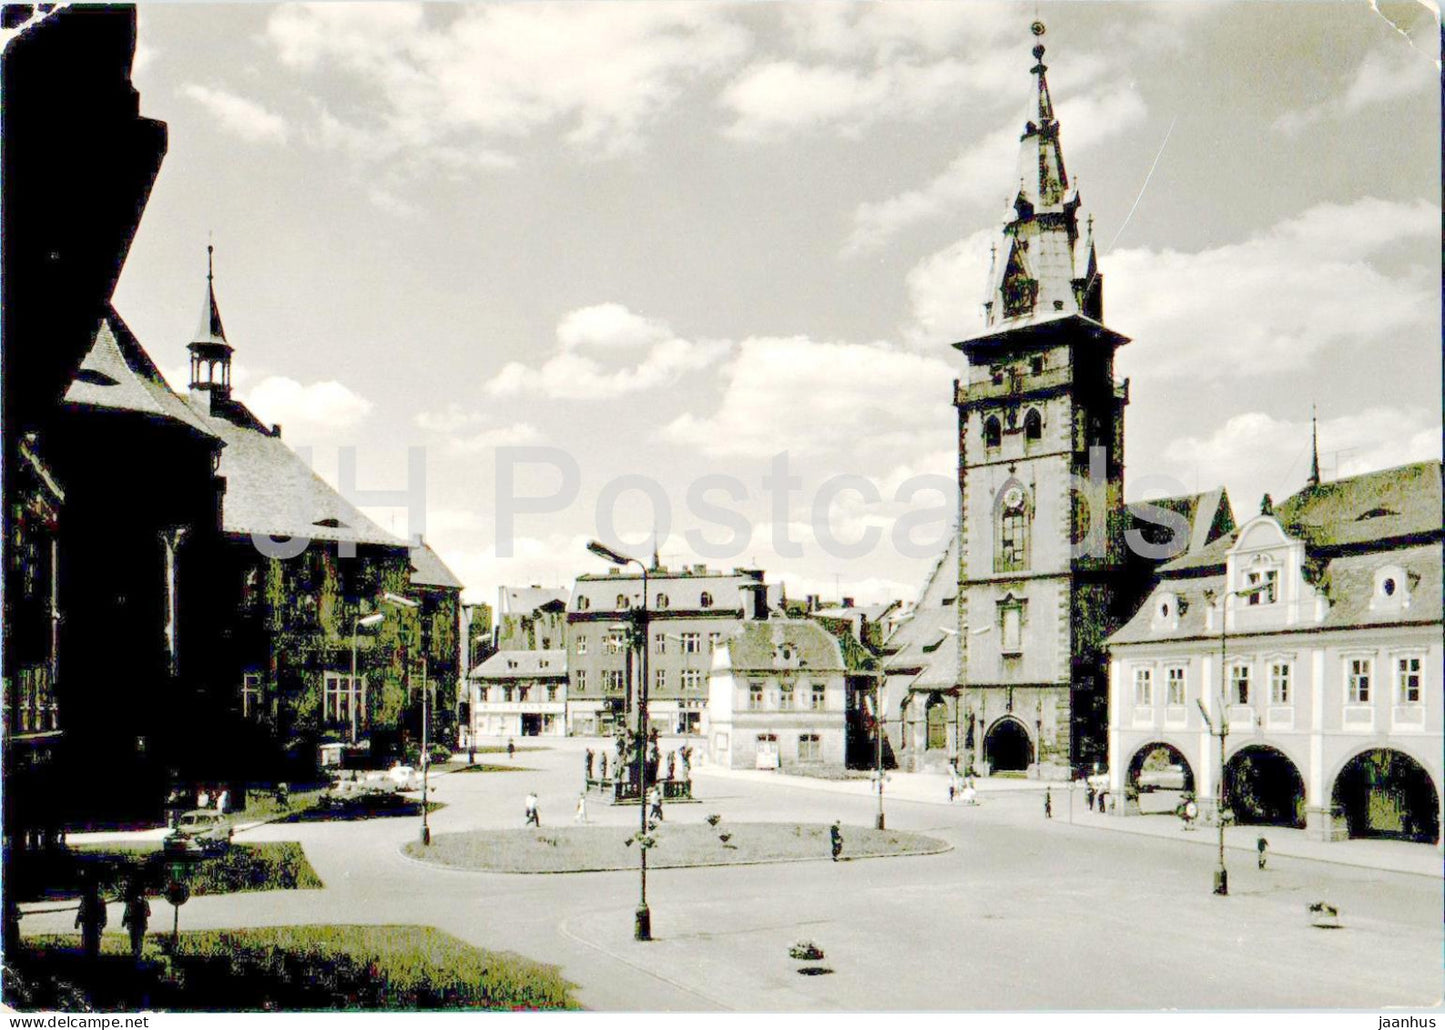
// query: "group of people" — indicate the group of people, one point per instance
point(1092, 795)
point(91, 917)
point(219, 798)
point(961, 788)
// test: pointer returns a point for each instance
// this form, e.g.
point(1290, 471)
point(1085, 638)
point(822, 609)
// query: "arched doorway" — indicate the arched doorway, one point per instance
point(1006, 746)
point(936, 718)
point(1386, 793)
point(1161, 777)
point(1263, 788)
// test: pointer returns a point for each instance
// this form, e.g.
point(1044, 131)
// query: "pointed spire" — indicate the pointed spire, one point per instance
point(210, 329)
point(1042, 271)
point(1314, 479)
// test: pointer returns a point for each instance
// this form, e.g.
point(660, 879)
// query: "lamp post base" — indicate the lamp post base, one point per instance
point(1221, 881)
point(879, 822)
point(642, 928)
point(425, 836)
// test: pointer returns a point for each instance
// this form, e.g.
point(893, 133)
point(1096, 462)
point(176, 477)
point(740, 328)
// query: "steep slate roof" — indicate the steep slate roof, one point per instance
point(1375, 506)
point(118, 375)
point(270, 490)
point(925, 647)
point(510, 665)
point(1372, 509)
point(428, 570)
point(754, 648)
point(1209, 514)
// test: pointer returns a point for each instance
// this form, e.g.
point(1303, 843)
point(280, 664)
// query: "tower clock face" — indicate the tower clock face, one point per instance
point(1013, 498)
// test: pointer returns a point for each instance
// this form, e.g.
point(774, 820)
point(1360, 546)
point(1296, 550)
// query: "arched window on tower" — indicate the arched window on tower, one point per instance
point(1033, 425)
point(992, 432)
point(1012, 551)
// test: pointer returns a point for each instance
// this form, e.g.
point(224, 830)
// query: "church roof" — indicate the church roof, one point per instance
point(925, 646)
point(1209, 514)
point(117, 374)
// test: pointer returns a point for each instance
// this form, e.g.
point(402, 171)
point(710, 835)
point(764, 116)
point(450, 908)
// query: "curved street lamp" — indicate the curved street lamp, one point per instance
point(642, 926)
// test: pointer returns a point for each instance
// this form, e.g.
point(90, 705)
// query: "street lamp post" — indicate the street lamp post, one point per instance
point(642, 925)
point(1221, 875)
point(878, 741)
point(425, 756)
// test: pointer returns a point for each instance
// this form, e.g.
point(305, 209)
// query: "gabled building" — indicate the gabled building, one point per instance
point(1313, 633)
point(777, 696)
point(531, 618)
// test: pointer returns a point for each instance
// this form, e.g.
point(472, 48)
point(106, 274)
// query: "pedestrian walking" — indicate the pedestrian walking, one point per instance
point(1089, 797)
point(654, 800)
point(1191, 813)
point(91, 919)
point(223, 802)
point(533, 817)
point(1102, 796)
point(591, 758)
point(283, 795)
point(511, 750)
point(137, 915)
point(1263, 846)
point(603, 774)
point(835, 835)
point(1048, 803)
point(581, 816)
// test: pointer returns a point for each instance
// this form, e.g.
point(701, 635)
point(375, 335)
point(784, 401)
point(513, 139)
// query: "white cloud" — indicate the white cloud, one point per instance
point(237, 115)
point(491, 439)
point(1391, 72)
point(606, 329)
point(320, 406)
point(1277, 300)
point(449, 420)
point(601, 74)
point(978, 174)
point(606, 326)
point(1254, 453)
point(1353, 272)
point(808, 397)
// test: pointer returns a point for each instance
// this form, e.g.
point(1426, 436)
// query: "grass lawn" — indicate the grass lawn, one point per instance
point(278, 865)
point(483, 767)
point(500, 749)
point(352, 968)
point(571, 849)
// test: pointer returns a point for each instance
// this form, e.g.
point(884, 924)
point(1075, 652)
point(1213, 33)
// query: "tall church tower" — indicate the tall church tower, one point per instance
point(1041, 477)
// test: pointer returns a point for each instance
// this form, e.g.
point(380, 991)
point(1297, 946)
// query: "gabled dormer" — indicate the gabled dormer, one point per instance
point(1265, 577)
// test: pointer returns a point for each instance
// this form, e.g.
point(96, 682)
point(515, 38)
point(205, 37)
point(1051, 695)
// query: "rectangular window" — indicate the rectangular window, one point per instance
point(659, 680)
point(1239, 685)
point(810, 747)
point(755, 696)
point(507, 694)
point(1360, 673)
point(251, 695)
point(1175, 679)
point(338, 697)
point(1266, 582)
point(613, 644)
point(692, 643)
point(581, 645)
point(1280, 674)
point(713, 640)
point(1143, 686)
point(785, 696)
point(581, 680)
point(612, 680)
point(691, 679)
point(551, 692)
point(1408, 673)
point(659, 643)
point(820, 697)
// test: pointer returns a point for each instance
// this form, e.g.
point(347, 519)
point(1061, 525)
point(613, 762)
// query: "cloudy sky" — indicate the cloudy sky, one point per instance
point(669, 242)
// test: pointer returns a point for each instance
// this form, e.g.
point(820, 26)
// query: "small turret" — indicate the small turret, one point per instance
point(210, 353)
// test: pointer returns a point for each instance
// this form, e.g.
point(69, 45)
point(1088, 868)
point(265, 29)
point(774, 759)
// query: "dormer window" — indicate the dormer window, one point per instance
point(623, 602)
point(583, 603)
point(1392, 588)
point(1263, 586)
point(662, 601)
point(1376, 513)
point(705, 600)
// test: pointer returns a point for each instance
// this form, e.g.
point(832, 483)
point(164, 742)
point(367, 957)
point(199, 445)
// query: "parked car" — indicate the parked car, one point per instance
point(199, 833)
point(375, 792)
